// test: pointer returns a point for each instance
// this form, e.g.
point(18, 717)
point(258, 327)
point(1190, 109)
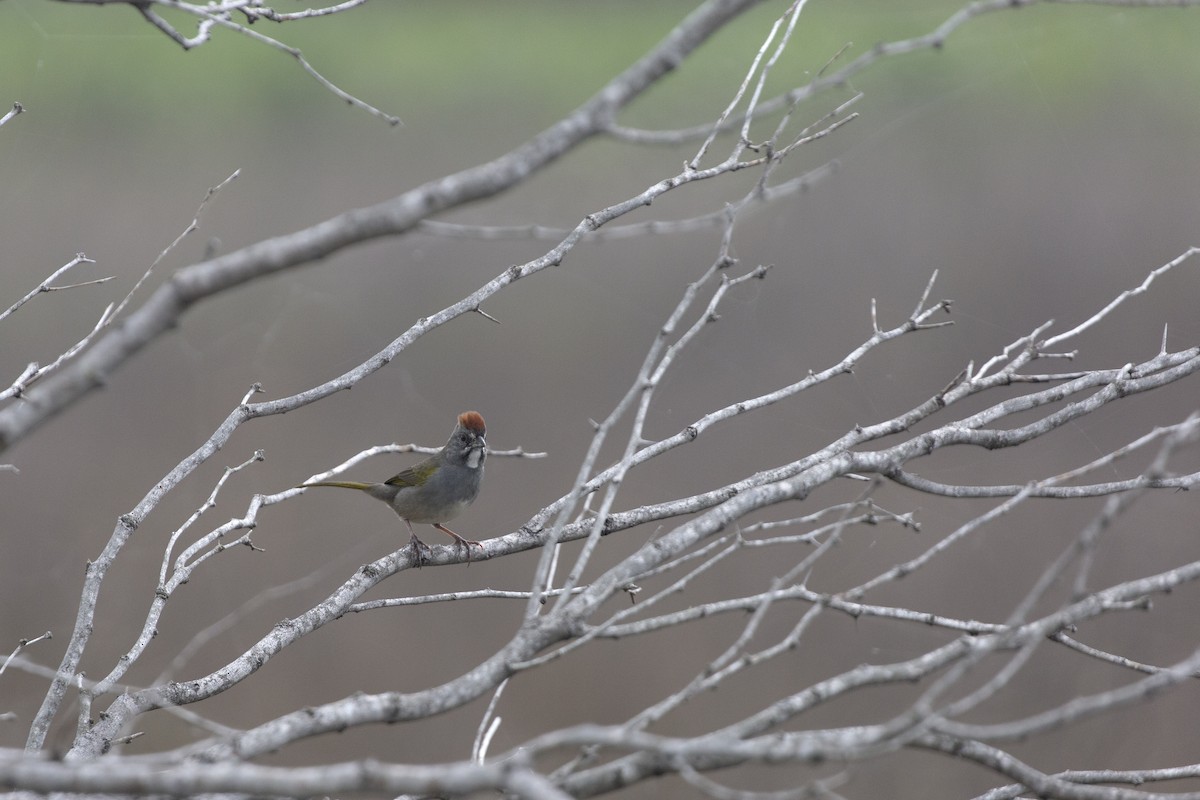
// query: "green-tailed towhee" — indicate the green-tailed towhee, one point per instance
point(437, 489)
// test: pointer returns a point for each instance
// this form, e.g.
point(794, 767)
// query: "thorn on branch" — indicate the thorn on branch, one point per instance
point(954, 382)
point(165, 27)
point(129, 738)
point(17, 108)
point(255, 388)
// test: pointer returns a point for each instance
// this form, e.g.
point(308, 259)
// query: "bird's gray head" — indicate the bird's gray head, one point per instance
point(467, 443)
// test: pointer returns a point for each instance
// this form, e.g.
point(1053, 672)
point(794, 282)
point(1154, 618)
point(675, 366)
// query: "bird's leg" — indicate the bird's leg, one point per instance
point(416, 544)
point(461, 541)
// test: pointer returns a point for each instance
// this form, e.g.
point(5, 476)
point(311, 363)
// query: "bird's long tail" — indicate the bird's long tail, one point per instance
point(362, 487)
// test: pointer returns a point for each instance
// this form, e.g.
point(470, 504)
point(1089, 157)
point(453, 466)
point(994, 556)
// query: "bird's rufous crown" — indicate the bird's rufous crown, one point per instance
point(472, 421)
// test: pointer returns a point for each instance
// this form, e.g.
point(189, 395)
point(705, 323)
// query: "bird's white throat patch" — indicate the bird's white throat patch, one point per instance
point(475, 458)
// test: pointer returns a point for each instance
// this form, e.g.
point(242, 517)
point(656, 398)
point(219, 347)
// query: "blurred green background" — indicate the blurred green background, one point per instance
point(1043, 161)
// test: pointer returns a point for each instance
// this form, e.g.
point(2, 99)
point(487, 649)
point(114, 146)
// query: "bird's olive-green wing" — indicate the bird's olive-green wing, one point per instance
point(416, 475)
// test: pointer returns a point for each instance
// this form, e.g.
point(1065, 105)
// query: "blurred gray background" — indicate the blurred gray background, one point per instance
point(1042, 162)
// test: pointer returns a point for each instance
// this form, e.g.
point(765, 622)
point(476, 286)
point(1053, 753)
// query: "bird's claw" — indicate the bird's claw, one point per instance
point(417, 546)
point(459, 541)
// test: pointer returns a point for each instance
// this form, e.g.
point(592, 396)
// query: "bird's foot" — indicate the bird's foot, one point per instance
point(417, 546)
point(460, 541)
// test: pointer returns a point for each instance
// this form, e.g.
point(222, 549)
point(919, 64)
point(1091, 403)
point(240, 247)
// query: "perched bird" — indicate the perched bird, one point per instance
point(437, 489)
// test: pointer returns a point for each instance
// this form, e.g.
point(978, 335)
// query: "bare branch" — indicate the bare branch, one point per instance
point(48, 284)
point(17, 108)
